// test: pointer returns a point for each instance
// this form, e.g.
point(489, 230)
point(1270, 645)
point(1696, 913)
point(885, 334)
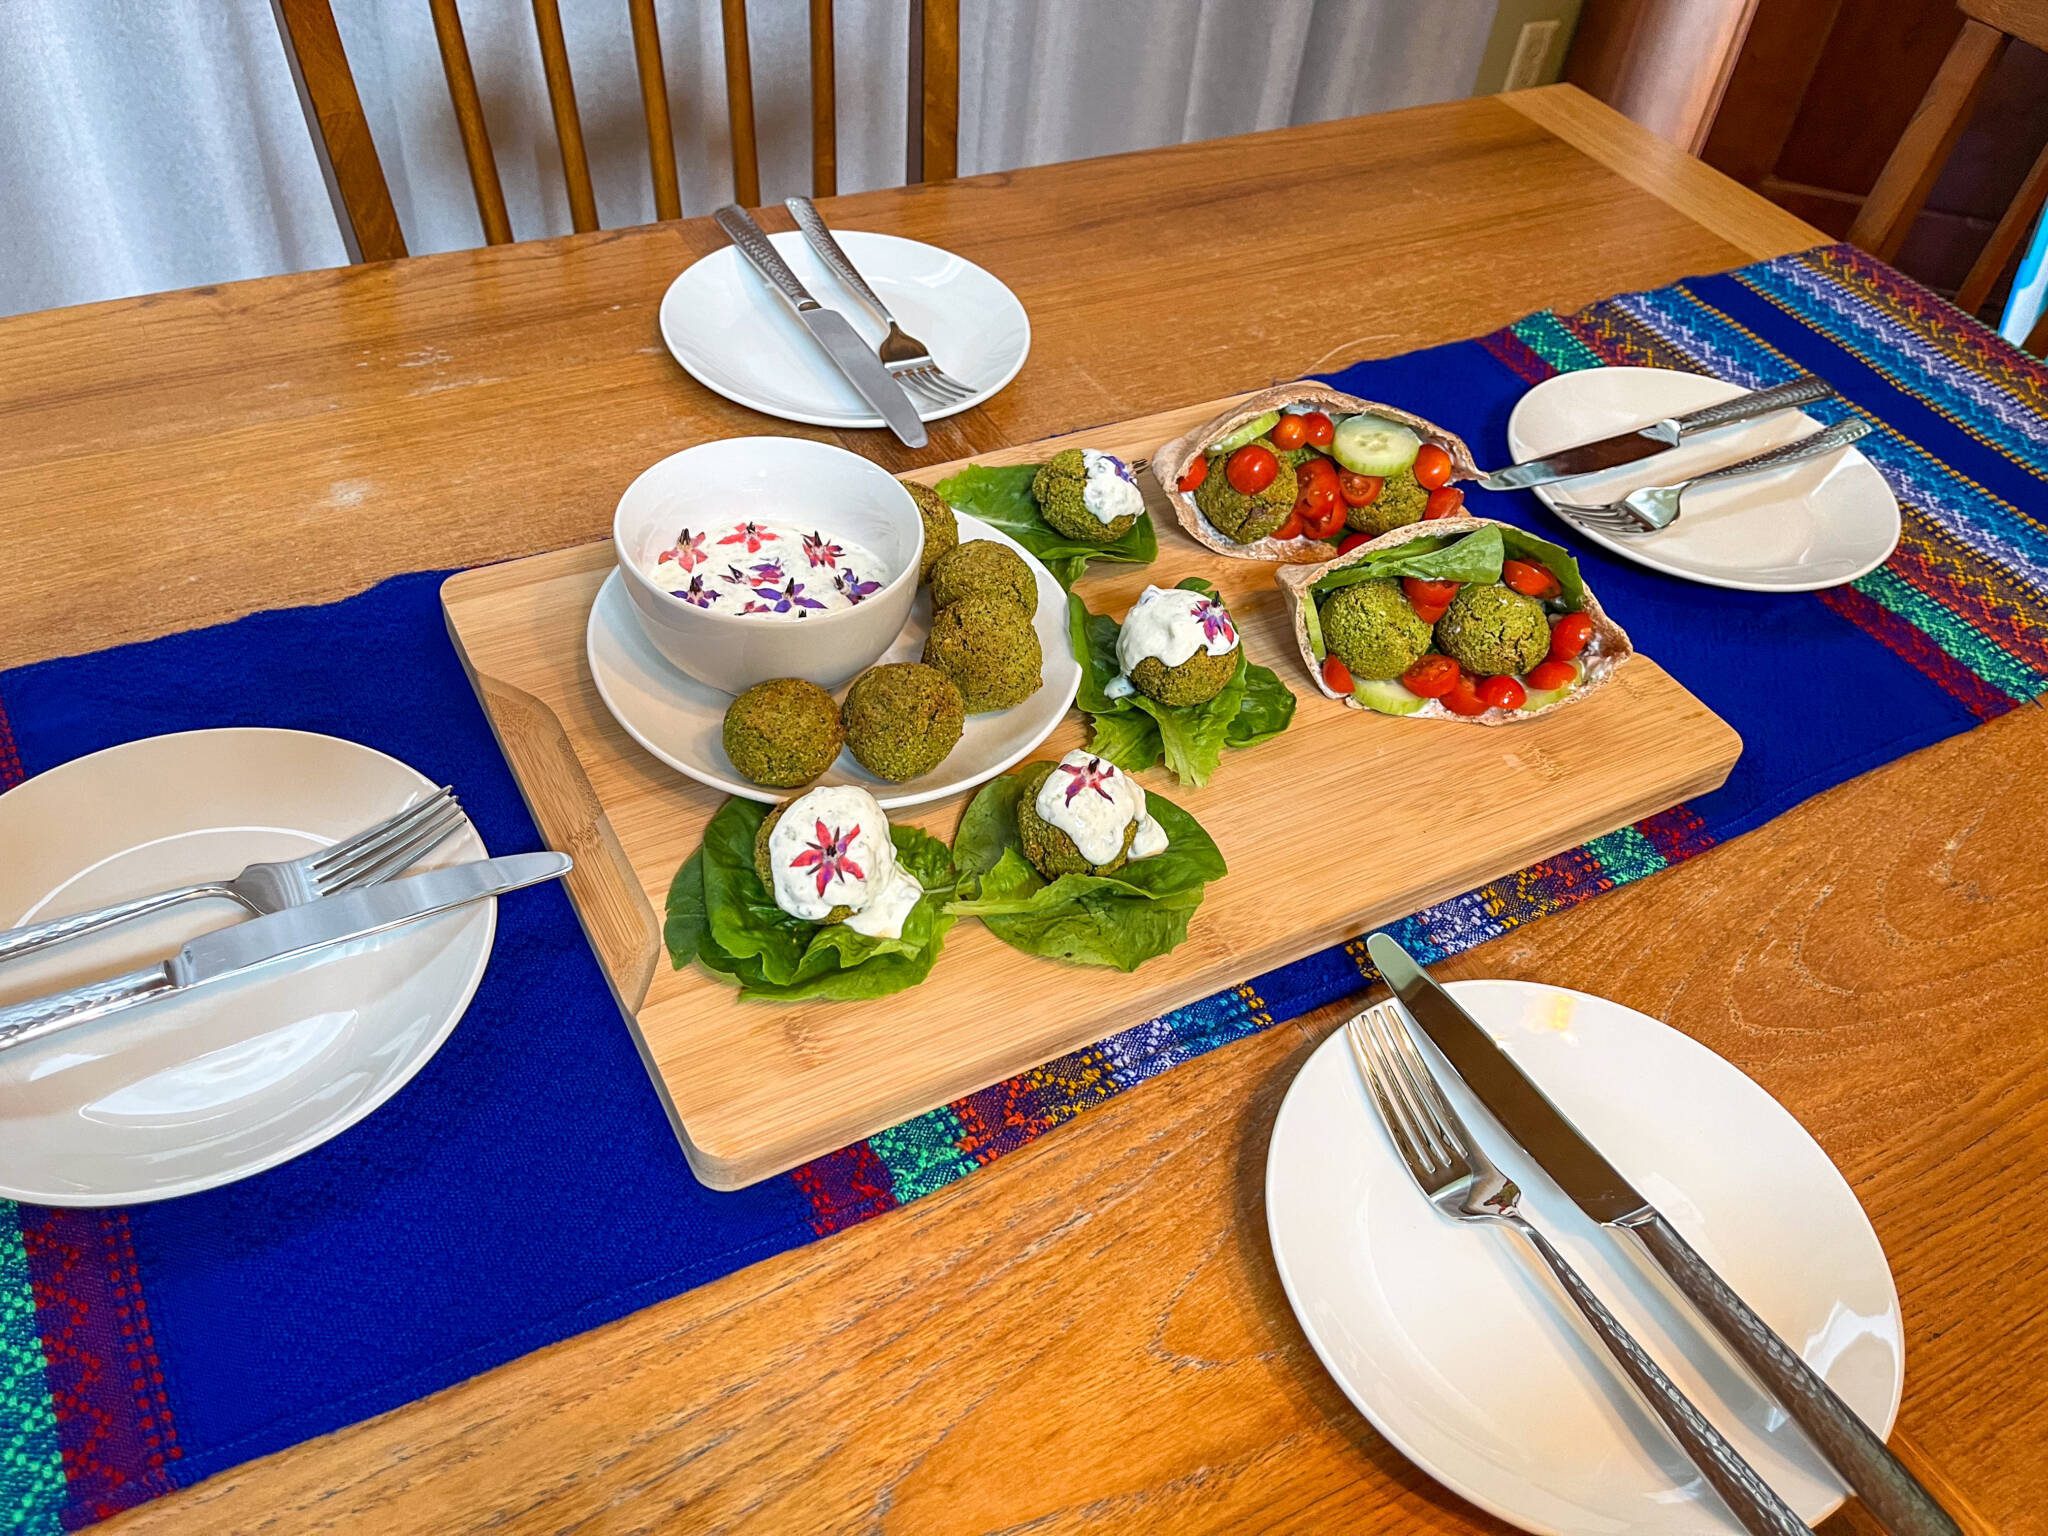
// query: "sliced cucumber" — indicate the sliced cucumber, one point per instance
point(1550, 696)
point(1373, 445)
point(1257, 427)
point(1386, 695)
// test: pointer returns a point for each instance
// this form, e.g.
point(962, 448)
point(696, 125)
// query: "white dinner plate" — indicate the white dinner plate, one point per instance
point(1814, 525)
point(240, 1075)
point(736, 335)
point(1456, 1343)
point(681, 721)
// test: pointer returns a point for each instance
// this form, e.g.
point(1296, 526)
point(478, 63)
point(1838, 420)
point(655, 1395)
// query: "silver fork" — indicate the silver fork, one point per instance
point(1461, 1181)
point(1654, 508)
point(371, 855)
point(901, 353)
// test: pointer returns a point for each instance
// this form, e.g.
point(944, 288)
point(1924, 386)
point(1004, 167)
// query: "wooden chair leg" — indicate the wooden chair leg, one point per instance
point(1909, 175)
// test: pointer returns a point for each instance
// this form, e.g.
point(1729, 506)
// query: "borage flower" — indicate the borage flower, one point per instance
point(697, 594)
point(1095, 774)
point(688, 551)
point(820, 550)
point(787, 598)
point(849, 582)
point(826, 855)
point(1215, 621)
point(751, 534)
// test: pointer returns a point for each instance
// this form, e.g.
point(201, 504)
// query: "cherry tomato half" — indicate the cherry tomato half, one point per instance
point(1321, 430)
point(1251, 469)
point(1359, 490)
point(1428, 594)
point(1195, 474)
point(1463, 699)
point(1547, 676)
point(1443, 501)
point(1429, 613)
point(1502, 693)
point(1327, 521)
point(1288, 432)
point(1291, 529)
point(1336, 674)
point(1315, 470)
point(1351, 541)
point(1569, 636)
point(1432, 467)
point(1529, 578)
point(1433, 676)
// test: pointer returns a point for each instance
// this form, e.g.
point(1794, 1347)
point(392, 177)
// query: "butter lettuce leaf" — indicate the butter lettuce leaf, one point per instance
point(721, 916)
point(1120, 920)
point(1000, 495)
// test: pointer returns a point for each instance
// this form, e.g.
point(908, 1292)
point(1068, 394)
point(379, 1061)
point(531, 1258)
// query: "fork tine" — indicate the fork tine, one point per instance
point(389, 827)
point(1367, 1058)
point(390, 858)
point(947, 382)
point(1384, 1027)
point(932, 379)
point(1447, 1119)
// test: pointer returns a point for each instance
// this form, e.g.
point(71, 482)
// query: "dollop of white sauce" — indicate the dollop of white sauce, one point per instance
point(1171, 624)
point(830, 849)
point(1093, 802)
point(1109, 491)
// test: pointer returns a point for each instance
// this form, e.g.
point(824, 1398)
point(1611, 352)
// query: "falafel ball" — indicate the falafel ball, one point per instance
point(1195, 681)
point(1061, 489)
point(1247, 519)
point(941, 528)
point(1373, 629)
point(766, 869)
point(989, 649)
point(1050, 851)
point(1491, 629)
point(983, 565)
point(783, 732)
point(902, 719)
point(1401, 501)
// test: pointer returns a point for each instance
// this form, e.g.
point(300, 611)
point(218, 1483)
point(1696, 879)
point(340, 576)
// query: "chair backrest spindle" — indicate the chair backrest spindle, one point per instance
point(469, 122)
point(554, 63)
point(824, 103)
point(739, 104)
point(661, 140)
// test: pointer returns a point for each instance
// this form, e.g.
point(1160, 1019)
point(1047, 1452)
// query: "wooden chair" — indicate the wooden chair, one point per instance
point(362, 199)
point(1909, 175)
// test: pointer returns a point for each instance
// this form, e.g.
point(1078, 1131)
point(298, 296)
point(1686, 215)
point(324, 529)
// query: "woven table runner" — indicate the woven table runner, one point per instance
point(525, 1185)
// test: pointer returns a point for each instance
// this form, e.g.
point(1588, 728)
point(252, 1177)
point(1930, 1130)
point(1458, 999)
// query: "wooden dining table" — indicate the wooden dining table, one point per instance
point(1090, 1333)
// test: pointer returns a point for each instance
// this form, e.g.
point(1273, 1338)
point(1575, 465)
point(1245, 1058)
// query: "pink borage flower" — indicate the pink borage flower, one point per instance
point(753, 535)
point(826, 855)
point(820, 550)
point(688, 551)
point(1215, 621)
point(1094, 774)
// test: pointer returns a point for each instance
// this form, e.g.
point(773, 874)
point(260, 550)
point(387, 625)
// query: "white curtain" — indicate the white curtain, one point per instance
point(154, 144)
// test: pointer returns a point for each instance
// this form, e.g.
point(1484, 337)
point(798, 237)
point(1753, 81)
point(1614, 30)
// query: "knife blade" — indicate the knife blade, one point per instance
point(1658, 437)
point(830, 329)
point(1878, 1477)
point(285, 935)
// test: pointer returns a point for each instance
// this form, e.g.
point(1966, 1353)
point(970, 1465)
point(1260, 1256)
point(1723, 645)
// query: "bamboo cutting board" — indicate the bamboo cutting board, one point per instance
point(1345, 821)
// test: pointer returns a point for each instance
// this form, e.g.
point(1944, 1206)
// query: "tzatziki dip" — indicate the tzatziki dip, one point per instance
point(1170, 624)
point(1110, 491)
point(1095, 803)
point(830, 851)
point(766, 569)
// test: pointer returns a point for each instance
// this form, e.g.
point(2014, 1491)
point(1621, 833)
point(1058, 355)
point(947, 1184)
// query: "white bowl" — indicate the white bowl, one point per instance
point(786, 479)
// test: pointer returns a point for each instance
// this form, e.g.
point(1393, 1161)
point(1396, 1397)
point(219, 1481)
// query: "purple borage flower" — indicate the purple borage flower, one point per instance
point(697, 594)
point(1095, 774)
point(849, 582)
point(786, 598)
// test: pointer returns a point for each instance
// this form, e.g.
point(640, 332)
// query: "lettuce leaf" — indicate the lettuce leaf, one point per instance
point(1135, 732)
point(1000, 495)
point(1475, 557)
point(1120, 920)
point(720, 915)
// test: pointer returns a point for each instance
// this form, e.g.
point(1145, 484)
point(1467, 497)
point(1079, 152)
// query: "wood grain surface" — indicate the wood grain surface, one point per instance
point(756, 1088)
point(1088, 1334)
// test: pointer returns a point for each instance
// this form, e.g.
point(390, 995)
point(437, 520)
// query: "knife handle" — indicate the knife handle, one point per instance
point(1742, 1489)
point(753, 243)
point(819, 234)
point(41, 1016)
point(1880, 1479)
point(1803, 390)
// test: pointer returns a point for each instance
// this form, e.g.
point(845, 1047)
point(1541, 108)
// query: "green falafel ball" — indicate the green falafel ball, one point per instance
point(783, 732)
point(1247, 519)
point(765, 867)
point(989, 649)
point(1060, 488)
point(941, 528)
point(983, 565)
point(1490, 629)
point(902, 719)
point(1372, 628)
point(1195, 681)
point(1050, 851)
point(1400, 502)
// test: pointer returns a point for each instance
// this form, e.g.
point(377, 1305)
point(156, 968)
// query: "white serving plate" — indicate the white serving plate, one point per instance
point(1457, 1345)
point(1814, 525)
point(242, 1075)
point(735, 335)
point(681, 720)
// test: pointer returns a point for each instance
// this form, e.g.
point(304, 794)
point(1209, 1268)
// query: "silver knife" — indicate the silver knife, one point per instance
point(1642, 442)
point(283, 935)
point(1878, 1477)
point(830, 329)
